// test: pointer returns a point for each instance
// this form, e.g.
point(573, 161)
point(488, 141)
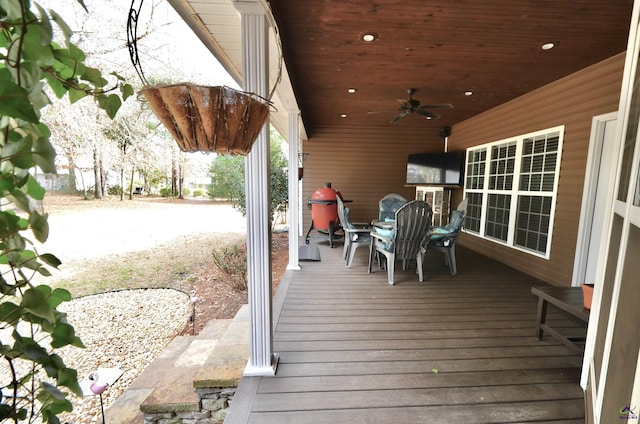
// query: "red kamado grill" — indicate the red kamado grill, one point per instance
point(324, 212)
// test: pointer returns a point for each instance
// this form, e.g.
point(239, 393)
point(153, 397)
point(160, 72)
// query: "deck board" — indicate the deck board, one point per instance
point(450, 349)
point(441, 414)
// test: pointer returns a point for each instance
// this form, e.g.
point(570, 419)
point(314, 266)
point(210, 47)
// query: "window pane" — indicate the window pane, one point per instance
point(532, 222)
point(502, 165)
point(475, 169)
point(474, 212)
point(536, 182)
point(539, 158)
point(550, 163)
point(537, 163)
point(547, 182)
point(498, 216)
point(629, 142)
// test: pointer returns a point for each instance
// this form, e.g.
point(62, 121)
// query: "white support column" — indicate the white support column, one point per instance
point(301, 204)
point(294, 231)
point(255, 47)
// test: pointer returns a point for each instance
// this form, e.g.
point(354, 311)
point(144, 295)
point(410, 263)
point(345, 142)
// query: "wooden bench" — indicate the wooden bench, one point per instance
point(568, 299)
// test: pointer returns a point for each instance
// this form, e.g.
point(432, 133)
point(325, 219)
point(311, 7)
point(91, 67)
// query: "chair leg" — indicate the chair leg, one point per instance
point(390, 268)
point(372, 254)
point(346, 248)
point(452, 260)
point(352, 253)
point(419, 261)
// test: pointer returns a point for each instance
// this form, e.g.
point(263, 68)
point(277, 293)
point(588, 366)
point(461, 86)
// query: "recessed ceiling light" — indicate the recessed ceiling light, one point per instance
point(369, 37)
point(428, 118)
point(468, 93)
point(344, 115)
point(352, 90)
point(548, 46)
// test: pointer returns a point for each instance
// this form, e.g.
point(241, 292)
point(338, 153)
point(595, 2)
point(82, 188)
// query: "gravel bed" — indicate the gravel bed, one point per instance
point(125, 329)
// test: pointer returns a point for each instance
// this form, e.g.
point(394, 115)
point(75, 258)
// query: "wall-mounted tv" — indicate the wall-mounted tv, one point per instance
point(442, 169)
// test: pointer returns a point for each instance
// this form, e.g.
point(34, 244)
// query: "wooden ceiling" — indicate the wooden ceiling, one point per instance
point(443, 48)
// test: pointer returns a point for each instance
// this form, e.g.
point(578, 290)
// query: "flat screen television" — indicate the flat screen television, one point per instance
point(441, 169)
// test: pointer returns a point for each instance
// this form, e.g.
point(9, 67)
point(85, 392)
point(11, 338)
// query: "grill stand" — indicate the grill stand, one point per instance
point(329, 233)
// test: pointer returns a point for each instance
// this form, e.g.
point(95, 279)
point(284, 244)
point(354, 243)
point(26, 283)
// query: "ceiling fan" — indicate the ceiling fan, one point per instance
point(411, 106)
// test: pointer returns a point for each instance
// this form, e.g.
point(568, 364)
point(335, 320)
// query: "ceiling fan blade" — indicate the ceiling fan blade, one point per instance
point(402, 115)
point(371, 112)
point(427, 114)
point(405, 104)
point(438, 106)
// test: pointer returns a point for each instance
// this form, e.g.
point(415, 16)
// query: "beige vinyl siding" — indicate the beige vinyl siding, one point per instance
point(363, 164)
point(572, 101)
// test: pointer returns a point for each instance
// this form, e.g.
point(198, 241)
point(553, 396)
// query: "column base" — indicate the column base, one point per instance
point(268, 371)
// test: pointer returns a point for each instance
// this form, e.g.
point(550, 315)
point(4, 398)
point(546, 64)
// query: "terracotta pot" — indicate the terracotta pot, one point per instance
point(208, 119)
point(587, 294)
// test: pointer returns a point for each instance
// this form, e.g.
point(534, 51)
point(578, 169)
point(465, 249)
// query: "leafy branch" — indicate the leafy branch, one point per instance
point(37, 381)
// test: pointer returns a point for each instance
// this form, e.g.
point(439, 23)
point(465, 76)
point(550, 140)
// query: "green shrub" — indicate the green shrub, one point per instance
point(198, 192)
point(232, 262)
point(167, 192)
point(186, 191)
point(115, 190)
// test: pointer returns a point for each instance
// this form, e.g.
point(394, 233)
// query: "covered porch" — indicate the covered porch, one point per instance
point(462, 348)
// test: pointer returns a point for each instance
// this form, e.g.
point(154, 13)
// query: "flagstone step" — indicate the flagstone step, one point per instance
point(167, 382)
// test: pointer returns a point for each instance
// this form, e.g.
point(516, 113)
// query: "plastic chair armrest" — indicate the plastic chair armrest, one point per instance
point(357, 230)
point(380, 237)
point(362, 225)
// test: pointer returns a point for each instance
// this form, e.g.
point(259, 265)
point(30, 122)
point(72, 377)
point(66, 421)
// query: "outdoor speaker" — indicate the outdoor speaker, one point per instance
point(445, 132)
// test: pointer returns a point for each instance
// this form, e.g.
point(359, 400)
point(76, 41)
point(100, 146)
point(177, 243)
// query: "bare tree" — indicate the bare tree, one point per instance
point(102, 36)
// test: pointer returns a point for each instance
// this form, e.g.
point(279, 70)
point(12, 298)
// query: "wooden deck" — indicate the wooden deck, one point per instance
point(453, 349)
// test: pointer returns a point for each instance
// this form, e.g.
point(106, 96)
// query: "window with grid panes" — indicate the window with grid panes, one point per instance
point(474, 212)
point(474, 180)
point(513, 203)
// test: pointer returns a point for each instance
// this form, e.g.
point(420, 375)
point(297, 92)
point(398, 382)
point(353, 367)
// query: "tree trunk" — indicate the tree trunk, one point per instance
point(72, 175)
point(84, 187)
point(174, 177)
point(103, 178)
point(122, 183)
point(180, 180)
point(97, 189)
point(133, 170)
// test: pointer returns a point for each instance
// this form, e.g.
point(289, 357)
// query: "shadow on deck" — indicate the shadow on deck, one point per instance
point(453, 349)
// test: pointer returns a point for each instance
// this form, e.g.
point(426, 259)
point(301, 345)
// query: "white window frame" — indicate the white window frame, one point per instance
point(515, 191)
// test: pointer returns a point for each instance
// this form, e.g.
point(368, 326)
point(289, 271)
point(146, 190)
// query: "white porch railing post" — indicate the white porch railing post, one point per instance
point(294, 205)
point(255, 58)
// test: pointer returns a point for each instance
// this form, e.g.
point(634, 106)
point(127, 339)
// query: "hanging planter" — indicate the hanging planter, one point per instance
point(208, 119)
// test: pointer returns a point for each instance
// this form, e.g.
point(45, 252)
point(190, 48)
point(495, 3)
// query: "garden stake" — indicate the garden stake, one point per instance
point(194, 299)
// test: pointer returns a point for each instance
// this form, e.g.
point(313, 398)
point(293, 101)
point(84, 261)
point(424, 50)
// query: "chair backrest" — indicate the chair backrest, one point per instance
point(389, 204)
point(342, 214)
point(456, 221)
point(412, 223)
point(462, 206)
